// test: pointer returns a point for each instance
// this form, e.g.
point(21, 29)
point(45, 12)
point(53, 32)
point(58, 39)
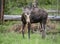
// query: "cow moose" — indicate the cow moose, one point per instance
point(34, 15)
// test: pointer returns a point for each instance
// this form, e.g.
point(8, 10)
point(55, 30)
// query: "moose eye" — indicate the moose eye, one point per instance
point(25, 15)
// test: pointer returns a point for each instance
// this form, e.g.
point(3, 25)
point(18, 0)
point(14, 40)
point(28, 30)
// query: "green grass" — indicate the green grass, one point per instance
point(16, 38)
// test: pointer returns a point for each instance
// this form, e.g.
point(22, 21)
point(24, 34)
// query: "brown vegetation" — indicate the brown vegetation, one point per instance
point(51, 26)
point(16, 28)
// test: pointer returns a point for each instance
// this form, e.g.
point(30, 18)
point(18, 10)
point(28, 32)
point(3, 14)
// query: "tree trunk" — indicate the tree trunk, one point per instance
point(1, 10)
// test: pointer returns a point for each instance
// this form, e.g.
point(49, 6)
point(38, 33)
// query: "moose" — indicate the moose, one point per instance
point(34, 15)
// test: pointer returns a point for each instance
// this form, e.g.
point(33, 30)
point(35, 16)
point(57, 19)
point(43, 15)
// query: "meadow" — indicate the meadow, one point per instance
point(16, 38)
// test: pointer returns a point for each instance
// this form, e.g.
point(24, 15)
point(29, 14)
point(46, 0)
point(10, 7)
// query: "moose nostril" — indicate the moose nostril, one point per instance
point(27, 13)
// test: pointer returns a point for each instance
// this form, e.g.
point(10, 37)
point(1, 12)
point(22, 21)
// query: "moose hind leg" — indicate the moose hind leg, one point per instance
point(44, 31)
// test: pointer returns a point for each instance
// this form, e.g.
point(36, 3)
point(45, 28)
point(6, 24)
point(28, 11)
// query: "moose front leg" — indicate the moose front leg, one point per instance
point(23, 26)
point(29, 25)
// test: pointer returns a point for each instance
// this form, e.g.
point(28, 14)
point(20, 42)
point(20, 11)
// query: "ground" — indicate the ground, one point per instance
point(16, 38)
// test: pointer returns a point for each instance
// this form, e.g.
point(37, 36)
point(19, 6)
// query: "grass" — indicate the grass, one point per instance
point(7, 25)
point(16, 38)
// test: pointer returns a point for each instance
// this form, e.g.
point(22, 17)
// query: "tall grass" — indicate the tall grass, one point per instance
point(16, 38)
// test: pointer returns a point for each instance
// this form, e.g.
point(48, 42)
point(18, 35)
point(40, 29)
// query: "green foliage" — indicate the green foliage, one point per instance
point(44, 2)
point(14, 6)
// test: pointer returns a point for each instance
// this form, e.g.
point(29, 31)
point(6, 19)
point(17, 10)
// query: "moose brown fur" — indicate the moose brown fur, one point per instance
point(34, 15)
